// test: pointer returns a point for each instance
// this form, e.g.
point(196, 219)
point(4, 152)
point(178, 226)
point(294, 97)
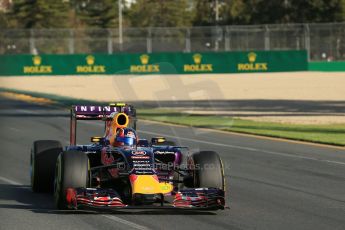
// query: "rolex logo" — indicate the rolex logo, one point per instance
point(144, 59)
point(37, 60)
point(90, 60)
point(252, 64)
point(37, 67)
point(145, 67)
point(197, 66)
point(197, 58)
point(252, 57)
point(90, 67)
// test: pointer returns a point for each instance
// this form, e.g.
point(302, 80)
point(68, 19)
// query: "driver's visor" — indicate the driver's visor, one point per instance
point(129, 141)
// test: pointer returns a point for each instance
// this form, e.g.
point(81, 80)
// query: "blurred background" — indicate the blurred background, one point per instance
point(132, 26)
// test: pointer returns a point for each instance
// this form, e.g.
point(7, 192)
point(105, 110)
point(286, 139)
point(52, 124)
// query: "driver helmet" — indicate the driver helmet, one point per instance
point(125, 137)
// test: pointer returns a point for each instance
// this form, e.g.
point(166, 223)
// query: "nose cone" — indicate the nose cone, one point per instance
point(149, 184)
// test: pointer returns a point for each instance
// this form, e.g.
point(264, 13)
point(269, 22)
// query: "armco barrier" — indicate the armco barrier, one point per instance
point(162, 63)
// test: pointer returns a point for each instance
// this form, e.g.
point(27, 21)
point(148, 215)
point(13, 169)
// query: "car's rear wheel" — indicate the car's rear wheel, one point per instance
point(208, 171)
point(72, 171)
point(42, 164)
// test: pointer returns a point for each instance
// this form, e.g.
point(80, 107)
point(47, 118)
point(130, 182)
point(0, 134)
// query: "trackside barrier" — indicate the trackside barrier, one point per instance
point(183, 63)
point(336, 66)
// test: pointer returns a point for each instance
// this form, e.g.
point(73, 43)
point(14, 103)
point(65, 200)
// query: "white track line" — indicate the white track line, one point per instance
point(126, 222)
point(15, 129)
point(27, 111)
point(243, 148)
point(9, 181)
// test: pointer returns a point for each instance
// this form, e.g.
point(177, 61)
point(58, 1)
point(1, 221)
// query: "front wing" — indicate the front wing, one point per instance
point(193, 198)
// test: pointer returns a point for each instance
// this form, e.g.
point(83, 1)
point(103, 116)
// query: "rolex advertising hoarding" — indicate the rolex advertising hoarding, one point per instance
point(179, 63)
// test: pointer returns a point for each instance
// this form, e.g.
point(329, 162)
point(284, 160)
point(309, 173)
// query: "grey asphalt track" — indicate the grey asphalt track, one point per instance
point(270, 184)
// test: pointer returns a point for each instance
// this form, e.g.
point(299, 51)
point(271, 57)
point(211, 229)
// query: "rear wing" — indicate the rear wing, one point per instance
point(97, 112)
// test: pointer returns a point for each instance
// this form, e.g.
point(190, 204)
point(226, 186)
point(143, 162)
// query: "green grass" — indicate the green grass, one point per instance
point(333, 134)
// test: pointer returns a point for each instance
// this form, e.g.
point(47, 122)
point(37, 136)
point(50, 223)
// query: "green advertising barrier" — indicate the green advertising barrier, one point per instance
point(157, 63)
point(336, 66)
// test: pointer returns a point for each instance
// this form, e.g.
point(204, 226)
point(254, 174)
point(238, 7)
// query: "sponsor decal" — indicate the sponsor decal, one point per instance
point(91, 108)
point(141, 161)
point(165, 187)
point(140, 157)
point(141, 165)
point(90, 66)
point(252, 65)
point(198, 66)
point(164, 152)
point(37, 66)
point(138, 153)
point(145, 67)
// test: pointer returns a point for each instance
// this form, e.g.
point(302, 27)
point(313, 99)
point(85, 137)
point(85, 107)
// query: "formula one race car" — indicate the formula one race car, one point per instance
point(119, 170)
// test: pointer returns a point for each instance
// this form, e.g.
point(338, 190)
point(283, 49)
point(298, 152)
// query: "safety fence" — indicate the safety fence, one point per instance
point(323, 41)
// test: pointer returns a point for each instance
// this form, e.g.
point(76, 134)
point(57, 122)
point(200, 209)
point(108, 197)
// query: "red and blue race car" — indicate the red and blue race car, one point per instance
point(119, 170)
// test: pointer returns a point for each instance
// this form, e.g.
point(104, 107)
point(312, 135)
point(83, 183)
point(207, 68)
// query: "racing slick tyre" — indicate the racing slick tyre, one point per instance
point(42, 164)
point(209, 172)
point(72, 171)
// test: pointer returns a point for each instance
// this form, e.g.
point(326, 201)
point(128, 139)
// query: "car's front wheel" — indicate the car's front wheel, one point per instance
point(72, 171)
point(208, 172)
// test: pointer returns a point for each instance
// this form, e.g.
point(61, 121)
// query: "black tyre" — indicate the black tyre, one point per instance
point(42, 162)
point(72, 171)
point(209, 171)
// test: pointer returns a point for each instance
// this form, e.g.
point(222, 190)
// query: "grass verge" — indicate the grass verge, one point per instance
point(332, 134)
